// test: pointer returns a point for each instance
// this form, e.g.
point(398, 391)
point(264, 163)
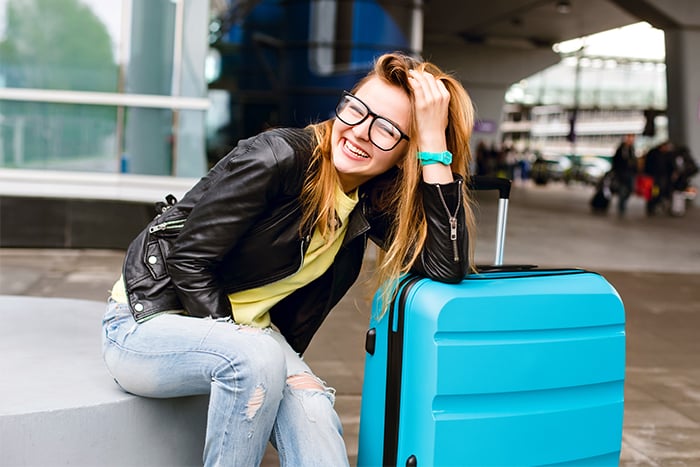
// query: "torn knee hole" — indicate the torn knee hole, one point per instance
point(255, 402)
point(306, 381)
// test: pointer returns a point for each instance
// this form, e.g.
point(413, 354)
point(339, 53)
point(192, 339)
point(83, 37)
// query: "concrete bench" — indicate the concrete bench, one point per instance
point(60, 209)
point(60, 406)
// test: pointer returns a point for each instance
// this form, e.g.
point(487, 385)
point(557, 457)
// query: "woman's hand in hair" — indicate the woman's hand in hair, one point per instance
point(432, 107)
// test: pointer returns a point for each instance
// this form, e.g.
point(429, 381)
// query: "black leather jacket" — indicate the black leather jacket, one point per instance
point(238, 228)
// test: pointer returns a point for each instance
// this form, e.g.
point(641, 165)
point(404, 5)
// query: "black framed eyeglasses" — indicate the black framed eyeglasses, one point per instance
point(383, 133)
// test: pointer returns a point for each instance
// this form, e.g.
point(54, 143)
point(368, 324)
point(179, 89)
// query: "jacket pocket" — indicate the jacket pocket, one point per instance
point(154, 259)
point(161, 234)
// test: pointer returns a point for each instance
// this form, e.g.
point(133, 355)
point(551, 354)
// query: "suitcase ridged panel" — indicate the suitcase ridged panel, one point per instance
point(506, 370)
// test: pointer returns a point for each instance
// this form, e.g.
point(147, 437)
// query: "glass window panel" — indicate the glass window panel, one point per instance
point(36, 135)
point(149, 67)
point(189, 143)
point(148, 141)
point(40, 46)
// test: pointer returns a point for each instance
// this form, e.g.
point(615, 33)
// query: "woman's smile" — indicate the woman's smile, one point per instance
point(353, 150)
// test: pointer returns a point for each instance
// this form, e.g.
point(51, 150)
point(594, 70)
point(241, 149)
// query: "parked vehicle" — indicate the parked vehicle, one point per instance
point(587, 169)
point(546, 169)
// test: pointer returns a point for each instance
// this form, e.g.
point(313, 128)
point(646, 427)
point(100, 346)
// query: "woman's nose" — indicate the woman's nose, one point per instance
point(361, 130)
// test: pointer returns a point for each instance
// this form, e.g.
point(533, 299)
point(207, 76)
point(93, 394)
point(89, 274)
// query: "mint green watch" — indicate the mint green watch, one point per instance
point(428, 158)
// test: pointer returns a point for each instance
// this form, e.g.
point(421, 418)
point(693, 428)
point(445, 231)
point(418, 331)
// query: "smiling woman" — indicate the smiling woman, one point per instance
point(275, 234)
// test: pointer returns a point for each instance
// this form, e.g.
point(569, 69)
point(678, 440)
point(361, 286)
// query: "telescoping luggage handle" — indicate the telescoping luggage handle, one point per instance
point(484, 182)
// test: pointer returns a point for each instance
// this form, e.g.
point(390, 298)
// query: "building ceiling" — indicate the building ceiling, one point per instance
point(524, 23)
point(520, 23)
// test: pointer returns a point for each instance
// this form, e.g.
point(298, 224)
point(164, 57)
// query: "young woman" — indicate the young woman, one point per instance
point(222, 293)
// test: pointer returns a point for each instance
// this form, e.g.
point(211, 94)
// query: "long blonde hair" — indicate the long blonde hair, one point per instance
point(408, 231)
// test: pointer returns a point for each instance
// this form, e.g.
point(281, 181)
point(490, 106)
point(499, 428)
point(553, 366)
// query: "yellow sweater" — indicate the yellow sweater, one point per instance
point(251, 306)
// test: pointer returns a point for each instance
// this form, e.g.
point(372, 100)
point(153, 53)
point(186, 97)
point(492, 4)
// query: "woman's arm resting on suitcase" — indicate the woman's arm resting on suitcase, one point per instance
point(445, 255)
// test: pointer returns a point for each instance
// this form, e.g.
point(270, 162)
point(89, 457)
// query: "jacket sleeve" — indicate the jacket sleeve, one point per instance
point(445, 256)
point(240, 189)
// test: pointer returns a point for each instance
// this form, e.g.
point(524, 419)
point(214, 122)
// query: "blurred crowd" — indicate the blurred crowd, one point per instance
point(662, 176)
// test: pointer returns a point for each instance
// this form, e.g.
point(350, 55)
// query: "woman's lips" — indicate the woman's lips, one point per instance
point(354, 150)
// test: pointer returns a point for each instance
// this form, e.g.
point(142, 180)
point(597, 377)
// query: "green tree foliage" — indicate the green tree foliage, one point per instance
point(57, 44)
point(62, 45)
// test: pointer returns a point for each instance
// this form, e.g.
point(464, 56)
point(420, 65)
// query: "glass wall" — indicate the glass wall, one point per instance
point(39, 135)
point(99, 85)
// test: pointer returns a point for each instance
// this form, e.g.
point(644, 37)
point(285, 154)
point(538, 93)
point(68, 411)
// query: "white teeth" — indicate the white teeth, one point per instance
point(355, 150)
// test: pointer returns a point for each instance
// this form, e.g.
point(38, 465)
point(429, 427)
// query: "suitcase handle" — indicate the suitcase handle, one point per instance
point(484, 182)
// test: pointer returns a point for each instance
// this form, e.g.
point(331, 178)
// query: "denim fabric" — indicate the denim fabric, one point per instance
point(260, 389)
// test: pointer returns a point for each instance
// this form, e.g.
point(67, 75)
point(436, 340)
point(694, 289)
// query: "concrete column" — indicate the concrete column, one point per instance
point(680, 21)
point(683, 80)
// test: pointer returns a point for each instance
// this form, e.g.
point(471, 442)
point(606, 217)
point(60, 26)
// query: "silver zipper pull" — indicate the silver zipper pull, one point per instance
point(176, 224)
point(157, 228)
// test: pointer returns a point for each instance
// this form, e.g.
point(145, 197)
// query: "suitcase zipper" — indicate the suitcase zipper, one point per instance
point(452, 218)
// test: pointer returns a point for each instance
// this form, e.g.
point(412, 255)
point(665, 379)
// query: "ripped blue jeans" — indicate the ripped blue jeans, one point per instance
point(260, 389)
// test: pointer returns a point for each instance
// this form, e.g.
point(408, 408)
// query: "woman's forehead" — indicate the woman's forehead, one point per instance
point(386, 100)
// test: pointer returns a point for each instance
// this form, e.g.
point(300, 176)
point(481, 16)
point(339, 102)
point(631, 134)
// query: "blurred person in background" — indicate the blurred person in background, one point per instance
point(624, 170)
point(685, 168)
point(659, 164)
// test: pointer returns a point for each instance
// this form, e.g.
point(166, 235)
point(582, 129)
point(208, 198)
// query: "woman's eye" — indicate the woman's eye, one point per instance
point(356, 109)
point(387, 128)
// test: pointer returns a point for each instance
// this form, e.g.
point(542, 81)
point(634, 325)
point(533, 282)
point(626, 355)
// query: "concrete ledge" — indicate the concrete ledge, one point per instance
point(60, 406)
point(27, 222)
point(53, 209)
point(91, 185)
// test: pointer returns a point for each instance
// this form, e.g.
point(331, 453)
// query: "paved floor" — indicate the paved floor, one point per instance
point(653, 262)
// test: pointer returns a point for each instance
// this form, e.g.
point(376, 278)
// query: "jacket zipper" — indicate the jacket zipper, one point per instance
point(452, 218)
point(304, 241)
point(167, 225)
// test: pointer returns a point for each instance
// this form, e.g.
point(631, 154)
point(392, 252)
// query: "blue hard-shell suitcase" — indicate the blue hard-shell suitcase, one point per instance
point(513, 366)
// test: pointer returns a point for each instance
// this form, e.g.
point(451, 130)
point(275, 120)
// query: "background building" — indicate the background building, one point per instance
point(152, 86)
point(606, 86)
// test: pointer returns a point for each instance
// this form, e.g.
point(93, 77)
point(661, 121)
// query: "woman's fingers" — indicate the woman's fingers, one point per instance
point(428, 88)
point(432, 103)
